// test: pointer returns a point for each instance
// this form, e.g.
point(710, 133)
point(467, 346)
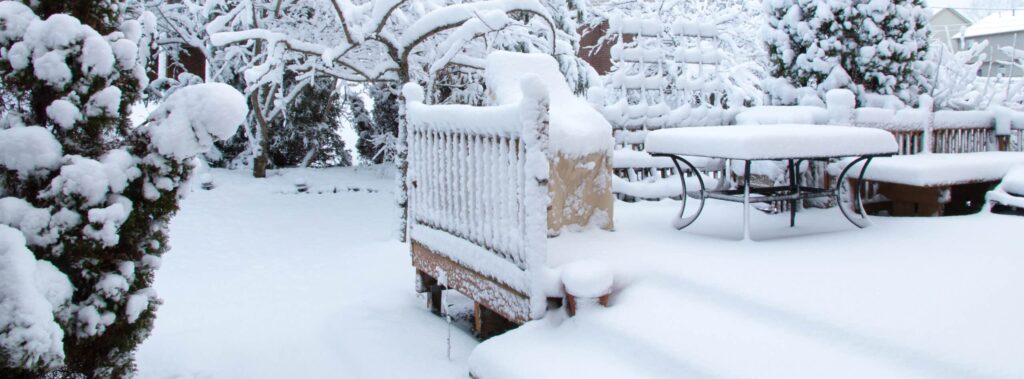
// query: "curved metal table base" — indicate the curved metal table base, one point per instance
point(682, 221)
point(860, 218)
point(858, 204)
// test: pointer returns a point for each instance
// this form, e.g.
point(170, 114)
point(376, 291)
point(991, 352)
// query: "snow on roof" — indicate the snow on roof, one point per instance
point(997, 23)
point(936, 11)
point(576, 128)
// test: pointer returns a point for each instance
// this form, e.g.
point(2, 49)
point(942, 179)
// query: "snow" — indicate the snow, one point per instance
point(937, 299)
point(30, 290)
point(263, 282)
point(189, 120)
point(15, 18)
point(587, 279)
point(27, 150)
point(930, 170)
point(1013, 181)
point(97, 57)
point(996, 23)
point(320, 277)
point(771, 141)
point(576, 128)
point(769, 114)
point(64, 113)
point(106, 102)
point(50, 67)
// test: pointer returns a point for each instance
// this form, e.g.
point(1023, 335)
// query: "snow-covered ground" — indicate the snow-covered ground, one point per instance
point(264, 282)
point(906, 298)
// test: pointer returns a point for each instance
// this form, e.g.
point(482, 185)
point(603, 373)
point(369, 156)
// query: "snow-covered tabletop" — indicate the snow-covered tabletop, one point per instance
point(784, 141)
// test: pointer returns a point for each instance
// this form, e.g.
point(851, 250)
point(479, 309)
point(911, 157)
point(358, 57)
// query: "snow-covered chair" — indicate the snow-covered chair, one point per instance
point(488, 185)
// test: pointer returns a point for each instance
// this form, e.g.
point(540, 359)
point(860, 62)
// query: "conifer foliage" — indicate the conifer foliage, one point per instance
point(871, 47)
point(85, 197)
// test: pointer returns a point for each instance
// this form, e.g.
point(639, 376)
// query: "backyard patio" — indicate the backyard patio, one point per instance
point(908, 297)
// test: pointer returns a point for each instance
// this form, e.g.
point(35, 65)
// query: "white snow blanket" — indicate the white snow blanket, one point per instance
point(576, 128)
point(784, 141)
point(931, 170)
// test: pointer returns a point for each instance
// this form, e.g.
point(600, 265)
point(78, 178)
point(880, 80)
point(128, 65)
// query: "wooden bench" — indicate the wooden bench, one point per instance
point(964, 164)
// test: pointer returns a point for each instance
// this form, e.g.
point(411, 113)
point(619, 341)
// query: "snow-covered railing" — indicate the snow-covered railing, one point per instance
point(996, 129)
point(478, 198)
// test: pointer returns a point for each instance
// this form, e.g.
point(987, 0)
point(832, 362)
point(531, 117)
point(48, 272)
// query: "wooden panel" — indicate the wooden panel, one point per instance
point(500, 298)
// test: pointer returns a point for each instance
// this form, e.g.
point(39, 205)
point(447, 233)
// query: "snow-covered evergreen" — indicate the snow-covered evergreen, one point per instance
point(90, 195)
point(871, 47)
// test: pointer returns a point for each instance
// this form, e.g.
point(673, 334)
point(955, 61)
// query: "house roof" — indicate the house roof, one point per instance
point(936, 11)
point(997, 23)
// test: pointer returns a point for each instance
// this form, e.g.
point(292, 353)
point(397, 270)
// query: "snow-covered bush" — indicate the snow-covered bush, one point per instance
point(85, 197)
point(871, 47)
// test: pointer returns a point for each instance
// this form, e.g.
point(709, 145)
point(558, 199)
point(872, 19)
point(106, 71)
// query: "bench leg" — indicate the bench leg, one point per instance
point(426, 283)
point(487, 323)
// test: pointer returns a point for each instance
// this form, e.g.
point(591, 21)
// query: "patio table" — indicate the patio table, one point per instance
point(792, 143)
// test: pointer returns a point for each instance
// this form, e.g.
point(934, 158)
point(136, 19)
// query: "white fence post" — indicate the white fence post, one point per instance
point(927, 104)
point(535, 119)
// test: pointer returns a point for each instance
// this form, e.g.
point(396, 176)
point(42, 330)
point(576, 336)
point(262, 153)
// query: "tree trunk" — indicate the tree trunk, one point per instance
point(400, 159)
point(259, 162)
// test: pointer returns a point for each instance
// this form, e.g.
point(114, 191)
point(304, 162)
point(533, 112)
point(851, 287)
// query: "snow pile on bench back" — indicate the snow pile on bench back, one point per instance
point(1013, 182)
point(932, 170)
point(576, 128)
point(1011, 190)
point(771, 141)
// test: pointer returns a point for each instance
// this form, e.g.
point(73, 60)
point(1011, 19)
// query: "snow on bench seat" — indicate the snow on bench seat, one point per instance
point(784, 141)
point(934, 170)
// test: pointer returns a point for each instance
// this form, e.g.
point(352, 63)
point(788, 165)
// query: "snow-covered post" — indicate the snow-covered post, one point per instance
point(535, 170)
point(1003, 125)
point(841, 104)
point(927, 105)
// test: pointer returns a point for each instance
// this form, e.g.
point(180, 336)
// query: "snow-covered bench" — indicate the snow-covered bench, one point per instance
point(1008, 197)
point(488, 185)
point(947, 163)
point(936, 184)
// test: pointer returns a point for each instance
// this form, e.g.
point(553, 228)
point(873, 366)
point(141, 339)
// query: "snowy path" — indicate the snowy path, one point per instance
point(265, 284)
point(907, 298)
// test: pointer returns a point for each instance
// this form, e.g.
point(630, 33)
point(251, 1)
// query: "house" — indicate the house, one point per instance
point(1000, 30)
point(946, 23)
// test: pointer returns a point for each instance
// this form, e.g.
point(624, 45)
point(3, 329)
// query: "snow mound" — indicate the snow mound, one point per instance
point(587, 278)
point(1013, 182)
point(576, 128)
point(29, 149)
point(187, 123)
point(29, 292)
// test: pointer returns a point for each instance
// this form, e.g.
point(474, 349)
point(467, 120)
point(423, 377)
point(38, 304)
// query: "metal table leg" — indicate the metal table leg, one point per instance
point(682, 221)
point(858, 204)
point(794, 186)
point(746, 200)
